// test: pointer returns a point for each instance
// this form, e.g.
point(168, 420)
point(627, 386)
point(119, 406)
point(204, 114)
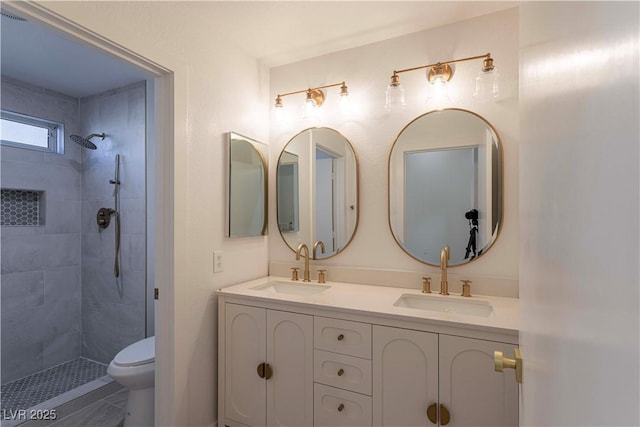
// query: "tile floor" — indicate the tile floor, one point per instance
point(80, 392)
point(31, 390)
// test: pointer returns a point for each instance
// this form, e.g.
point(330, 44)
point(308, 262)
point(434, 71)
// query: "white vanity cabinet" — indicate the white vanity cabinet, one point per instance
point(451, 377)
point(289, 362)
point(280, 392)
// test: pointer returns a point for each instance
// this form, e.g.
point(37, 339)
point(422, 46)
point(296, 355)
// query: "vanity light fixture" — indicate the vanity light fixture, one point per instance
point(314, 98)
point(438, 76)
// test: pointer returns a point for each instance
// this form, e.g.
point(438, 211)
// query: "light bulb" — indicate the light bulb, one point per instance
point(345, 104)
point(279, 114)
point(440, 93)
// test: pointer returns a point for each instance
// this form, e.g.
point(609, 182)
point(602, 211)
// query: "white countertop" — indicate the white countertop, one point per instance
point(379, 300)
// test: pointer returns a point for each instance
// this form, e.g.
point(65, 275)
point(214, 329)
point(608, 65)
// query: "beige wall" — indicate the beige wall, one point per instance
point(372, 132)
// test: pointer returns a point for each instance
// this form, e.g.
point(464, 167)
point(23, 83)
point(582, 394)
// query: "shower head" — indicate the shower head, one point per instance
point(86, 142)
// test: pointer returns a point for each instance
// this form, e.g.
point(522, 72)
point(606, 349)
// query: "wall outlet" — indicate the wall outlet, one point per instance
point(218, 262)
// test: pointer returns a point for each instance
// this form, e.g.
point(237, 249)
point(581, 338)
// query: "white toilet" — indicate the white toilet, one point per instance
point(134, 368)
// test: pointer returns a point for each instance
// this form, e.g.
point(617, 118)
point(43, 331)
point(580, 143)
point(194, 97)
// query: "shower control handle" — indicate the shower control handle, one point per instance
point(104, 217)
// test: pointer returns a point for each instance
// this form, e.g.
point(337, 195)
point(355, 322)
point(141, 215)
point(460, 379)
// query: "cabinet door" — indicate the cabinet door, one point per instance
point(473, 392)
point(245, 346)
point(290, 355)
point(405, 376)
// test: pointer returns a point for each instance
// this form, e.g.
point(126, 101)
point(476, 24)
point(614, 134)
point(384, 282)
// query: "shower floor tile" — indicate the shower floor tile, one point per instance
point(41, 386)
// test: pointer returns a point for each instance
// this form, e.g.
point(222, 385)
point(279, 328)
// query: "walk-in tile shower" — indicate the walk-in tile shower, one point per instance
point(69, 300)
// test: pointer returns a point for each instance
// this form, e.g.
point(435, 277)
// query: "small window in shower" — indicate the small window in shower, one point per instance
point(23, 131)
point(21, 207)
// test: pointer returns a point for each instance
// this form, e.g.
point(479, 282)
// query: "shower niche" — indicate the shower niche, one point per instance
point(22, 208)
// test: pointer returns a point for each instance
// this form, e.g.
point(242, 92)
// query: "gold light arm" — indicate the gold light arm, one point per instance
point(314, 93)
point(486, 55)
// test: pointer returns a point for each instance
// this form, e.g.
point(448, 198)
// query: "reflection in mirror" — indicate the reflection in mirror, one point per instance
point(317, 191)
point(247, 195)
point(288, 193)
point(445, 186)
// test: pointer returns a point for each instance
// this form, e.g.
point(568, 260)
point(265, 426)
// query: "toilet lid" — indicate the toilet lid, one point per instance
point(138, 353)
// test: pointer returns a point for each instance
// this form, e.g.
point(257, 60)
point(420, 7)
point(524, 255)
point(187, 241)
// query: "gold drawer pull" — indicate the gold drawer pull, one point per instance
point(340, 337)
point(340, 372)
point(341, 407)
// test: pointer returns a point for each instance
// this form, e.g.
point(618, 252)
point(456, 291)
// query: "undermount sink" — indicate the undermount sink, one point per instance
point(446, 304)
point(303, 289)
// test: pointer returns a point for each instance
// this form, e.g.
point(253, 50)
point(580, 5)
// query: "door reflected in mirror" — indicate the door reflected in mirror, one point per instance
point(247, 193)
point(288, 193)
point(445, 186)
point(317, 191)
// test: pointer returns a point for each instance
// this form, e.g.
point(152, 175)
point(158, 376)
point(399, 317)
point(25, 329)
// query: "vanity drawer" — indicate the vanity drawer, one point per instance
point(339, 408)
point(342, 336)
point(346, 372)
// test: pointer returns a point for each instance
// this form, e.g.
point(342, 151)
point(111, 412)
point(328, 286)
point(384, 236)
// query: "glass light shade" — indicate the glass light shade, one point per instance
point(439, 98)
point(394, 97)
point(487, 86)
point(279, 114)
point(310, 109)
point(345, 103)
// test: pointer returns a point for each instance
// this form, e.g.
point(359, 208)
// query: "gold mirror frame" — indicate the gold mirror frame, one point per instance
point(260, 148)
point(500, 176)
point(357, 191)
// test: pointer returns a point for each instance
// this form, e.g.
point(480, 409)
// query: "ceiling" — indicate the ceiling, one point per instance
point(274, 32)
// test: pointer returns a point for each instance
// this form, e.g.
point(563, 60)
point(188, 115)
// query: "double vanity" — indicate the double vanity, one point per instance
point(300, 353)
point(340, 354)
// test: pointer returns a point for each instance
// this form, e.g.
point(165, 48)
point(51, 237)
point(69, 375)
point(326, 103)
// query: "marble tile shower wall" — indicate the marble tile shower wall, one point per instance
point(40, 265)
point(113, 310)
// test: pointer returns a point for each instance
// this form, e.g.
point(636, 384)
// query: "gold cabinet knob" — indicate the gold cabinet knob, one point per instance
point(340, 372)
point(341, 407)
point(502, 362)
point(340, 337)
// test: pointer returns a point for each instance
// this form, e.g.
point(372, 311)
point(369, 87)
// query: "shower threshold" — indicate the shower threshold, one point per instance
point(43, 397)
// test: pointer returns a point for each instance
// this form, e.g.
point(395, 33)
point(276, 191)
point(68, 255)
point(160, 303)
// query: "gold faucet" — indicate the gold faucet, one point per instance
point(444, 258)
point(315, 247)
point(302, 246)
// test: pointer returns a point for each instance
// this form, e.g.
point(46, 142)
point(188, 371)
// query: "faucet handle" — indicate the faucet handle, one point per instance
point(466, 288)
point(321, 276)
point(294, 273)
point(426, 285)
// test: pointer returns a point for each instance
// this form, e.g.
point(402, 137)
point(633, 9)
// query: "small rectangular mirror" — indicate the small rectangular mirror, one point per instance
point(247, 187)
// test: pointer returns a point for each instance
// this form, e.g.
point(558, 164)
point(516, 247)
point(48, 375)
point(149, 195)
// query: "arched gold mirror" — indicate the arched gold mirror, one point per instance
point(317, 191)
point(445, 186)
